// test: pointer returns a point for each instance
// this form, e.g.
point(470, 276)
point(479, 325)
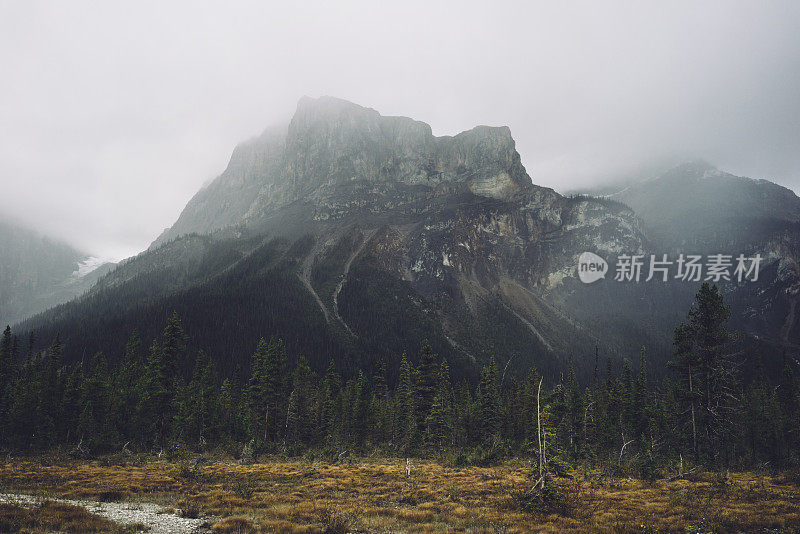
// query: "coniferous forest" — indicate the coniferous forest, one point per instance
point(705, 412)
point(428, 268)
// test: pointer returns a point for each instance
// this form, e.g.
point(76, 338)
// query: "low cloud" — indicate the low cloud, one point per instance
point(112, 115)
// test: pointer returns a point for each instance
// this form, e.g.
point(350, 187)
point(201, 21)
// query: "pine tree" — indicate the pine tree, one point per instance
point(94, 426)
point(7, 365)
point(763, 433)
point(155, 404)
point(382, 408)
point(5, 353)
point(229, 418)
point(439, 423)
point(197, 412)
point(257, 402)
point(299, 423)
point(266, 390)
point(48, 414)
point(788, 396)
point(361, 417)
point(330, 402)
point(686, 366)
point(126, 394)
point(573, 410)
point(31, 344)
point(427, 384)
point(71, 404)
point(465, 426)
point(489, 402)
point(641, 408)
point(406, 426)
point(711, 384)
point(173, 346)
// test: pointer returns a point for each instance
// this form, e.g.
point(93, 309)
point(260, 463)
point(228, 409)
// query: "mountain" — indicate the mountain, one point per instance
point(37, 272)
point(338, 160)
point(355, 236)
point(695, 204)
point(696, 208)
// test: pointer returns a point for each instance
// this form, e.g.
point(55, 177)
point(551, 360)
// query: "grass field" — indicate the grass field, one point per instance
point(379, 496)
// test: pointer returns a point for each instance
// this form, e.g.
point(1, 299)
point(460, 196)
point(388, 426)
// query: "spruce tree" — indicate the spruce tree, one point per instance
point(489, 402)
point(406, 428)
point(173, 346)
point(428, 381)
point(197, 414)
point(266, 390)
point(155, 404)
point(382, 407)
point(299, 424)
point(6, 367)
point(361, 401)
point(330, 402)
point(126, 394)
point(439, 423)
point(708, 372)
point(71, 404)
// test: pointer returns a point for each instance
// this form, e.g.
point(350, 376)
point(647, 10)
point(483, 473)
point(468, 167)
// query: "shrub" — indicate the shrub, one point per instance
point(554, 498)
point(337, 522)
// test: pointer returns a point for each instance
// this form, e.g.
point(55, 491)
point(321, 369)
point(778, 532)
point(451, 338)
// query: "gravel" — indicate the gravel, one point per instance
point(125, 513)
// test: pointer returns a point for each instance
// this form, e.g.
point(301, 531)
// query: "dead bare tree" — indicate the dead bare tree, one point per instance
point(542, 442)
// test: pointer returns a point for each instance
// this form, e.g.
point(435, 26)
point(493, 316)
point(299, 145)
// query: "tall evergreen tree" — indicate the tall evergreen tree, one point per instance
point(428, 381)
point(157, 388)
point(439, 423)
point(406, 423)
point(489, 401)
point(266, 390)
point(299, 423)
point(330, 402)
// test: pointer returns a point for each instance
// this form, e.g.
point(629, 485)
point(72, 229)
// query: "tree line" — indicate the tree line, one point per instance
point(705, 411)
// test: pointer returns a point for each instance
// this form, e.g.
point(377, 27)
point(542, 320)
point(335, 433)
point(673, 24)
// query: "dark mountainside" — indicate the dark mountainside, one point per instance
point(355, 236)
point(36, 273)
point(696, 208)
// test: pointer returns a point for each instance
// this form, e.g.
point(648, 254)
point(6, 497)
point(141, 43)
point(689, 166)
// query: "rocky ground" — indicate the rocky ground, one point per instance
point(155, 517)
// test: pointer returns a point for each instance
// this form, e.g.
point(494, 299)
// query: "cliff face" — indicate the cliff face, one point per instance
point(338, 164)
point(337, 159)
point(356, 236)
point(457, 218)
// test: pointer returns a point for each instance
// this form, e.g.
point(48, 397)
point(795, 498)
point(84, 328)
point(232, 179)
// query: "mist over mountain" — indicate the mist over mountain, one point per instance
point(530, 267)
point(37, 272)
point(356, 236)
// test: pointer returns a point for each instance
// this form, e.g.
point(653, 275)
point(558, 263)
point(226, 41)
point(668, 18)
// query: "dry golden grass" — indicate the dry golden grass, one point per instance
point(378, 496)
point(54, 517)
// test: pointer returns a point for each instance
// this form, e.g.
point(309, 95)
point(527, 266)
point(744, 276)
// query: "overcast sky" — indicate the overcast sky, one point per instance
point(112, 115)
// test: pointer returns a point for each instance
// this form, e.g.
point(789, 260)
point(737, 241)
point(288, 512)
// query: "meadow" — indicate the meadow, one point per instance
point(380, 495)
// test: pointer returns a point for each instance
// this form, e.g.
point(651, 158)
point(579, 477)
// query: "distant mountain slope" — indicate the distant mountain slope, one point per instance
point(37, 273)
point(696, 208)
point(390, 234)
point(695, 204)
point(355, 236)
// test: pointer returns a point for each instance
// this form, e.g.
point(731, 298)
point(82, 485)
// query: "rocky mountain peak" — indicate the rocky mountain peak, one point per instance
point(339, 158)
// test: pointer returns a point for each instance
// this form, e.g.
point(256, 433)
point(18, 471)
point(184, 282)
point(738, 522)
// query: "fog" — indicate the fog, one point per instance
point(113, 114)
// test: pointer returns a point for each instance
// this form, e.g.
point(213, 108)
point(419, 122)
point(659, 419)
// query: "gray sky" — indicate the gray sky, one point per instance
point(113, 114)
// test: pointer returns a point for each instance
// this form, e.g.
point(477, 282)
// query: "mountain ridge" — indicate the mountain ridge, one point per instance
point(373, 235)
